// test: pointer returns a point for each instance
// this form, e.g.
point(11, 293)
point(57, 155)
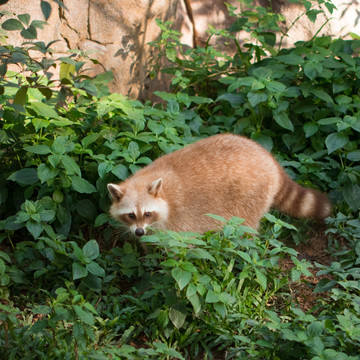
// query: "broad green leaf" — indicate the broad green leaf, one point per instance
point(91, 250)
point(44, 110)
point(133, 150)
point(86, 209)
point(283, 120)
point(353, 156)
point(79, 271)
point(12, 24)
point(30, 33)
point(40, 123)
point(70, 165)
point(177, 314)
point(245, 256)
point(351, 193)
point(336, 141)
point(256, 98)
point(156, 127)
point(45, 9)
point(20, 96)
point(101, 219)
point(322, 95)
point(212, 297)
point(27, 176)
point(181, 276)
point(95, 269)
point(310, 129)
point(261, 279)
point(66, 71)
point(89, 139)
point(54, 160)
point(199, 254)
point(290, 59)
point(24, 18)
point(120, 171)
point(275, 87)
point(34, 228)
point(238, 24)
point(38, 149)
point(82, 186)
point(195, 302)
point(84, 316)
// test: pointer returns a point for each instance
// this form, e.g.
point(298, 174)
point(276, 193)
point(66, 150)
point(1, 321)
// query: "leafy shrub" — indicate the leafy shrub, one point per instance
point(63, 138)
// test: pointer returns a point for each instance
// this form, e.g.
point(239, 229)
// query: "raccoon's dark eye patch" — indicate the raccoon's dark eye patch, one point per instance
point(147, 214)
point(131, 216)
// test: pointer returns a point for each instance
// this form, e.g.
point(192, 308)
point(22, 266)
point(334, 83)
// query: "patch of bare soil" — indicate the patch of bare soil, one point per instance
point(315, 250)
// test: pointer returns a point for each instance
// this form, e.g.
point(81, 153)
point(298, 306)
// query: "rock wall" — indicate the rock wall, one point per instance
point(117, 31)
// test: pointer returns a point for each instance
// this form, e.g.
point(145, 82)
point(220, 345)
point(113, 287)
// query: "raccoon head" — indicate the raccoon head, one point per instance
point(139, 206)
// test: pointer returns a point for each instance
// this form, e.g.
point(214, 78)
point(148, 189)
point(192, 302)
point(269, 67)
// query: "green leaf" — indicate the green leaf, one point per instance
point(322, 95)
point(30, 33)
point(86, 209)
point(95, 269)
point(134, 150)
point(212, 297)
point(91, 250)
point(66, 71)
point(44, 110)
point(54, 160)
point(34, 228)
point(351, 193)
point(171, 53)
point(24, 18)
point(12, 24)
point(353, 156)
point(261, 279)
point(336, 141)
point(275, 87)
point(120, 171)
point(70, 165)
point(82, 186)
point(199, 254)
point(245, 256)
point(84, 316)
point(38, 149)
point(27, 176)
point(181, 276)
point(256, 98)
point(40, 123)
point(283, 120)
point(177, 314)
point(195, 302)
point(290, 59)
point(310, 129)
point(238, 24)
point(20, 96)
point(45, 173)
point(101, 219)
point(45, 9)
point(79, 271)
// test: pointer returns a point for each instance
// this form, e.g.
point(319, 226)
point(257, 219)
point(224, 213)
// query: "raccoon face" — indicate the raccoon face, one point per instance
point(139, 209)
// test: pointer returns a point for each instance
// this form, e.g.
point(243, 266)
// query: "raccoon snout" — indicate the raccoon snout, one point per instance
point(139, 232)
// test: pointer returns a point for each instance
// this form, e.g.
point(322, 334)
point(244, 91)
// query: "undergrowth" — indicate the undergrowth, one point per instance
point(72, 289)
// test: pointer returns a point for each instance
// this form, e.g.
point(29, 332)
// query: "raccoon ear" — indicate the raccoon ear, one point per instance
point(115, 191)
point(155, 187)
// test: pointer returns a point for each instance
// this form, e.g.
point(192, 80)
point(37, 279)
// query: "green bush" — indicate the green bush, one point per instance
point(68, 293)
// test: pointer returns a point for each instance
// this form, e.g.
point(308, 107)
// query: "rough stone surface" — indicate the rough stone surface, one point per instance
point(117, 32)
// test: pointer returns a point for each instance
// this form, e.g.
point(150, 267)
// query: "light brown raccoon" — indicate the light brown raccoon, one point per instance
point(226, 175)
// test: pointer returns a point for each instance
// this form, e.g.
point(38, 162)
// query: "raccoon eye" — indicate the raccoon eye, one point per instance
point(131, 216)
point(147, 214)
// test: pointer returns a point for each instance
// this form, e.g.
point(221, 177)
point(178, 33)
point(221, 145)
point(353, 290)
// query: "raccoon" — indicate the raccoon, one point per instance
point(227, 175)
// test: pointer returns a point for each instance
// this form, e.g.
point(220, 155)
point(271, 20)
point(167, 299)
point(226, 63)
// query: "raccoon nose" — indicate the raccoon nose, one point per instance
point(139, 232)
